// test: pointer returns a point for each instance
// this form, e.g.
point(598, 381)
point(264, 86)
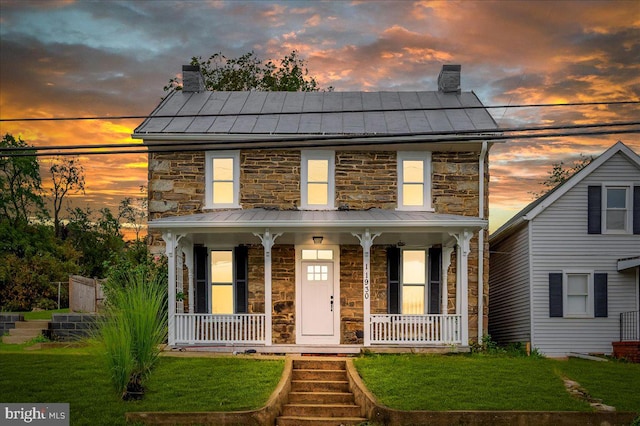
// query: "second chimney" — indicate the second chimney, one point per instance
point(449, 79)
point(192, 80)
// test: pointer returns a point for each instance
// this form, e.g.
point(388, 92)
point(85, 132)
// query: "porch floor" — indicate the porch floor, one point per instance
point(318, 349)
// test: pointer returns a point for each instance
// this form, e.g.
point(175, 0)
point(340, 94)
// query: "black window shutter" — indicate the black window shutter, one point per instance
point(555, 295)
point(435, 280)
point(200, 255)
point(241, 259)
point(393, 280)
point(600, 295)
point(594, 206)
point(636, 209)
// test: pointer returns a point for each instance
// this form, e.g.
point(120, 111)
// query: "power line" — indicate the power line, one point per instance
point(298, 143)
point(439, 108)
point(298, 138)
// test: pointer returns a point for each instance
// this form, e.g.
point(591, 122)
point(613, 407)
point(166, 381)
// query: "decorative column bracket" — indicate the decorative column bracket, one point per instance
point(268, 240)
point(366, 241)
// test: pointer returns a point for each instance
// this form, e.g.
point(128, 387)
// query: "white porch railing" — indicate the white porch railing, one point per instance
point(412, 329)
point(219, 329)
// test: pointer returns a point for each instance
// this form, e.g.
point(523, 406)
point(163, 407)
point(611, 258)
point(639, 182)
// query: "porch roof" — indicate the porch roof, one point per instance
point(250, 220)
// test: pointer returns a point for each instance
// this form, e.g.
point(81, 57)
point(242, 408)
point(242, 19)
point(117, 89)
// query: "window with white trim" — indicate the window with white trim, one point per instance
point(578, 291)
point(317, 186)
point(222, 282)
point(414, 281)
point(616, 209)
point(222, 174)
point(414, 180)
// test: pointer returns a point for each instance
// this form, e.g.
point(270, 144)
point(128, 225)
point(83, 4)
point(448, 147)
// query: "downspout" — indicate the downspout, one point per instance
point(481, 191)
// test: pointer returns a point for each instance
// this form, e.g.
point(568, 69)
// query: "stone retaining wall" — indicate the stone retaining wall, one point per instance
point(8, 322)
point(70, 327)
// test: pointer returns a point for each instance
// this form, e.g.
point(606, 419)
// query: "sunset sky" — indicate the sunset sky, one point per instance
point(64, 58)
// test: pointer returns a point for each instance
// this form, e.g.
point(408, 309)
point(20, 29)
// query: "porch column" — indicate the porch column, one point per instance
point(366, 241)
point(171, 242)
point(268, 240)
point(462, 281)
point(447, 250)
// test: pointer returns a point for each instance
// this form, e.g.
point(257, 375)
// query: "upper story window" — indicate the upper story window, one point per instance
point(414, 181)
point(616, 209)
point(613, 208)
point(317, 184)
point(222, 179)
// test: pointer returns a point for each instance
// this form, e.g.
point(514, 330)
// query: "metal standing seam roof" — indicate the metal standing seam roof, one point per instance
point(261, 218)
point(295, 113)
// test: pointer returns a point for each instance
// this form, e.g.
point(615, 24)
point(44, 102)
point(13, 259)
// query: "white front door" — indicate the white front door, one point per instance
point(317, 299)
point(318, 295)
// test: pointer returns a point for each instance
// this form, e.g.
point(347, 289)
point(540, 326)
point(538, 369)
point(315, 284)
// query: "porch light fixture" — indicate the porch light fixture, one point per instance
point(317, 239)
point(401, 243)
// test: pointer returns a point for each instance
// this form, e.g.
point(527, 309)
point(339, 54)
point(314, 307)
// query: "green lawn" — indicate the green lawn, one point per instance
point(463, 382)
point(177, 384)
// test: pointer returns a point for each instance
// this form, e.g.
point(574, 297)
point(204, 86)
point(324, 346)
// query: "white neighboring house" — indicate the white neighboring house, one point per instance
point(565, 271)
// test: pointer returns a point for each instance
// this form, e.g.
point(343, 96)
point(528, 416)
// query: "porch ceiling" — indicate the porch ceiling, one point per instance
point(299, 226)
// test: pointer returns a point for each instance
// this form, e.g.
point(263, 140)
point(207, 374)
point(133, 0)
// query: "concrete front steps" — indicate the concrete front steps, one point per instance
point(320, 395)
point(25, 331)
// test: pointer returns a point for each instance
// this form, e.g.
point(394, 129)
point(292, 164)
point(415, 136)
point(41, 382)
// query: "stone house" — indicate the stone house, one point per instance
point(321, 221)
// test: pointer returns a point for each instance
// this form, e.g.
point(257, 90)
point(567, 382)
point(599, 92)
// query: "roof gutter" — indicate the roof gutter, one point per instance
point(481, 235)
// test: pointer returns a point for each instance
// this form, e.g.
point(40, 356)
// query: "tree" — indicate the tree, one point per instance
point(19, 183)
point(561, 172)
point(248, 72)
point(67, 176)
point(134, 211)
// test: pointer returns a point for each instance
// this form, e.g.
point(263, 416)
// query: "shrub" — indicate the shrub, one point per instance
point(133, 327)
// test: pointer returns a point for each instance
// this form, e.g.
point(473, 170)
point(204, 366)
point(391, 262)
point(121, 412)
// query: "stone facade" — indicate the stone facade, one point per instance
point(271, 179)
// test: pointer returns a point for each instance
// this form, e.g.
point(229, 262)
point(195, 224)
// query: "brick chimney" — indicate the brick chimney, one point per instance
point(449, 79)
point(192, 80)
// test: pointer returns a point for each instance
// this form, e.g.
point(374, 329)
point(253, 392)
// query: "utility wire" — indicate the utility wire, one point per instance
point(296, 144)
point(298, 138)
point(439, 108)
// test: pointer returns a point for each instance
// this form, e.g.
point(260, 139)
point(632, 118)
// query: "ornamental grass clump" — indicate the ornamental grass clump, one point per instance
point(133, 327)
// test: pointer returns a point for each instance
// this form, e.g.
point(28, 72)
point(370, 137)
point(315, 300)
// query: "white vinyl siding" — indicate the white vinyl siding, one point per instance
point(560, 242)
point(509, 290)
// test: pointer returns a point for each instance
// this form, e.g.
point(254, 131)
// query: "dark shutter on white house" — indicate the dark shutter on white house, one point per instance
point(435, 280)
point(594, 210)
point(636, 210)
point(241, 260)
point(555, 294)
point(393, 280)
point(200, 255)
point(600, 295)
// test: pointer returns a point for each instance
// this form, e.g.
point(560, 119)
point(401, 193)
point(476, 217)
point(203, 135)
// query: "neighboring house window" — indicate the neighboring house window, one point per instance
point(616, 207)
point(229, 280)
point(613, 209)
point(222, 179)
point(414, 281)
point(414, 180)
point(578, 294)
point(317, 185)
